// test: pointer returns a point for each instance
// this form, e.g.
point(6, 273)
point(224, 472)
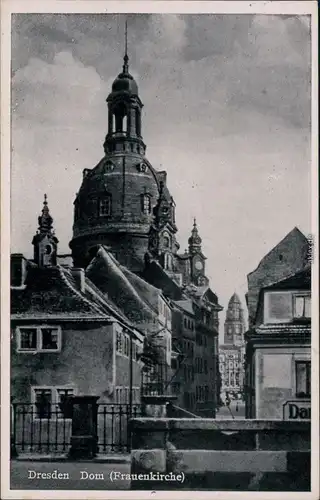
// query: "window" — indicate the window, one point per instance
point(28, 339)
point(302, 306)
point(205, 366)
point(206, 392)
point(167, 261)
point(109, 166)
point(105, 206)
point(49, 339)
point(134, 351)
point(142, 167)
point(278, 307)
point(126, 345)
point(47, 401)
point(303, 379)
point(119, 343)
point(38, 339)
point(146, 204)
point(166, 241)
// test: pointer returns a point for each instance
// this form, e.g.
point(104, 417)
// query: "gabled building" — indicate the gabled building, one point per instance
point(278, 349)
point(67, 336)
point(289, 255)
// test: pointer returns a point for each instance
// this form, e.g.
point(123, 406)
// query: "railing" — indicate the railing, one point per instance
point(46, 429)
point(40, 429)
point(113, 427)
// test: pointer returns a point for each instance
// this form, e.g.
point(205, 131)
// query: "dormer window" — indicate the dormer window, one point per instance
point(146, 204)
point(105, 206)
point(109, 166)
point(142, 167)
point(286, 306)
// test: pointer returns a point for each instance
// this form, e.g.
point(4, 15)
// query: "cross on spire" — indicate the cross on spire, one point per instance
point(126, 58)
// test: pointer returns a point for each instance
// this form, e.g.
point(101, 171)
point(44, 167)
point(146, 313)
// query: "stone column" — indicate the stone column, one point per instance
point(84, 436)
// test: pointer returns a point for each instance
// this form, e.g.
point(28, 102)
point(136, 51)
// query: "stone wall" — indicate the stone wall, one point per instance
point(221, 455)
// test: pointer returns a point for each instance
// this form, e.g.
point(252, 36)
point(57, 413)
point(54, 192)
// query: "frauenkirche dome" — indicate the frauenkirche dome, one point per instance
point(114, 205)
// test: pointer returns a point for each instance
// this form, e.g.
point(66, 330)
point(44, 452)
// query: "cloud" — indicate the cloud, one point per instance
point(227, 112)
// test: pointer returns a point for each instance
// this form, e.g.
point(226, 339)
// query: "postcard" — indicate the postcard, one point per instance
point(159, 249)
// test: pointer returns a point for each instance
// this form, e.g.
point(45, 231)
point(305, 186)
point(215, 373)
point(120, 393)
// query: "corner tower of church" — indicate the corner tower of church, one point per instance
point(115, 203)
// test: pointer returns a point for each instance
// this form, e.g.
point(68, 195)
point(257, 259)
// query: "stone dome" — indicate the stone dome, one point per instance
point(126, 179)
point(125, 83)
point(235, 299)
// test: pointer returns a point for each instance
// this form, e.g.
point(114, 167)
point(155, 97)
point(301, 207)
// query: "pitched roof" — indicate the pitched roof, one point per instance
point(300, 279)
point(147, 291)
point(155, 274)
point(186, 305)
point(51, 291)
point(118, 285)
point(287, 257)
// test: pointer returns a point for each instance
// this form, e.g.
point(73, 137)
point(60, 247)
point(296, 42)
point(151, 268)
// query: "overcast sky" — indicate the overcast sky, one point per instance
point(226, 113)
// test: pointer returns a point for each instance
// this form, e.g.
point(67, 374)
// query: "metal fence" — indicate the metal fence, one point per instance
point(113, 427)
point(47, 429)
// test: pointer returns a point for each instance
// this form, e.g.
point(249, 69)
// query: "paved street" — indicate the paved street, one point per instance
point(237, 411)
point(20, 472)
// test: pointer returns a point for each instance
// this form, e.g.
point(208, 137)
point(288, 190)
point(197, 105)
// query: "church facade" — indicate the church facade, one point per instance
point(125, 258)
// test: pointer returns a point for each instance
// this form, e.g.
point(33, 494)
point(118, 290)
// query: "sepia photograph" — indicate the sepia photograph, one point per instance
point(159, 188)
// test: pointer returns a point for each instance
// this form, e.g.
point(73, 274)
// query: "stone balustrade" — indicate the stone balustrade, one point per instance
point(265, 455)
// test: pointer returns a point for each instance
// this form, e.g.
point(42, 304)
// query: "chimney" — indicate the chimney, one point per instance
point(18, 271)
point(79, 277)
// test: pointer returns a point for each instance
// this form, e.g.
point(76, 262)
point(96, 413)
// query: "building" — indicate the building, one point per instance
point(196, 334)
point(126, 261)
point(67, 336)
point(278, 349)
point(231, 352)
point(289, 255)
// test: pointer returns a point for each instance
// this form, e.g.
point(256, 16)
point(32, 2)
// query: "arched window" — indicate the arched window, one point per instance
point(166, 240)
point(109, 166)
point(146, 204)
point(138, 122)
point(105, 206)
point(168, 261)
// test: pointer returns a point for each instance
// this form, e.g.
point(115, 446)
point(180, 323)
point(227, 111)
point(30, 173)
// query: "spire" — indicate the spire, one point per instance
point(194, 240)
point(45, 220)
point(125, 68)
point(44, 241)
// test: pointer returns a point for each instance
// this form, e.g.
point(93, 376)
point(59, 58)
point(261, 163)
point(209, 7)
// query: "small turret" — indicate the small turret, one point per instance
point(44, 241)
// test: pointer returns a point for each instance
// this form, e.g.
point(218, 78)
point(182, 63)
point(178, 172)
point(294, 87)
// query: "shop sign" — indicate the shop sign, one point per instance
point(297, 410)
